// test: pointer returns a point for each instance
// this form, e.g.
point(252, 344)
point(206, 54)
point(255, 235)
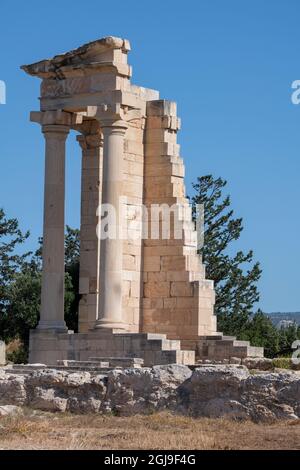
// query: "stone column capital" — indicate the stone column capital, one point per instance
point(113, 126)
point(90, 141)
point(58, 131)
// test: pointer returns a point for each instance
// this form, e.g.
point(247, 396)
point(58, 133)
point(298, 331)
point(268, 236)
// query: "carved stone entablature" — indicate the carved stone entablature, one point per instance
point(107, 54)
point(58, 117)
point(99, 82)
point(105, 112)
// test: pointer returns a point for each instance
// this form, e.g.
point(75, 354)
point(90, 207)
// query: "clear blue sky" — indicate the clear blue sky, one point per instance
point(229, 65)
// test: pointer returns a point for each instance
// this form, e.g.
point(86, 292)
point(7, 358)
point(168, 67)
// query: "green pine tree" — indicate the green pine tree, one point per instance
point(235, 276)
point(260, 331)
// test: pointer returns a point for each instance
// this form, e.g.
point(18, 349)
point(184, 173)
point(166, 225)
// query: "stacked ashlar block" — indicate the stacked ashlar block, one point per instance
point(132, 246)
point(133, 193)
point(177, 299)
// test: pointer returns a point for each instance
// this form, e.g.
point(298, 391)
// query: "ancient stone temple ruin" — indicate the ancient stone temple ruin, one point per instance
point(142, 295)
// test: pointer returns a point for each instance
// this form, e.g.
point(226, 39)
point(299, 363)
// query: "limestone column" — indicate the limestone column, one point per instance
point(111, 249)
point(52, 301)
point(91, 186)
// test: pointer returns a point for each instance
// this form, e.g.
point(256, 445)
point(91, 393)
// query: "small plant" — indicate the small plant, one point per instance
point(19, 356)
point(282, 362)
point(115, 412)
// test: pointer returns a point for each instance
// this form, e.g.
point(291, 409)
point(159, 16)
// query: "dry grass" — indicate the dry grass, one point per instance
point(157, 431)
point(13, 346)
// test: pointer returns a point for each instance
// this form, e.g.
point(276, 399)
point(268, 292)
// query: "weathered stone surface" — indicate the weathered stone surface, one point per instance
point(232, 391)
point(145, 390)
point(212, 383)
point(224, 407)
point(260, 363)
point(12, 389)
point(62, 391)
point(235, 360)
point(2, 353)
point(10, 410)
point(209, 390)
point(47, 400)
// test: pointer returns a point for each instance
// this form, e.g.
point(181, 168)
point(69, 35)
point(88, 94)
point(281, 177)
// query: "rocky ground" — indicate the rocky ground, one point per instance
point(211, 391)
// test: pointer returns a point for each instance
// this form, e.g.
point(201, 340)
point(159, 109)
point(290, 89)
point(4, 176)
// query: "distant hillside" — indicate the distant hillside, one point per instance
point(284, 318)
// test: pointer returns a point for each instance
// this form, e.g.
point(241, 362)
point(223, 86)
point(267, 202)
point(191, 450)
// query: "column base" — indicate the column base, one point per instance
point(109, 324)
point(57, 326)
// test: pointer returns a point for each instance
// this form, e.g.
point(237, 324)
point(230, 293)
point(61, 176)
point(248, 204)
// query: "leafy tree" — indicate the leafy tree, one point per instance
point(23, 295)
point(72, 247)
point(20, 299)
point(72, 297)
point(235, 276)
point(260, 331)
point(286, 338)
point(11, 238)
point(72, 254)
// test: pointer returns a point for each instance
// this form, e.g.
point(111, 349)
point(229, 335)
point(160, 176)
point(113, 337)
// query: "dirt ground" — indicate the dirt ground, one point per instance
point(158, 431)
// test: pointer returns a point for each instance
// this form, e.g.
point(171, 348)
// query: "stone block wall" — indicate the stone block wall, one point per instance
point(47, 347)
point(132, 246)
point(177, 299)
point(133, 191)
